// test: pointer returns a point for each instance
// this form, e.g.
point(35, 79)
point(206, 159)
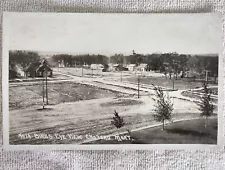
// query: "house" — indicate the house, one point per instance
point(131, 67)
point(38, 69)
point(142, 67)
point(119, 67)
point(97, 66)
point(61, 63)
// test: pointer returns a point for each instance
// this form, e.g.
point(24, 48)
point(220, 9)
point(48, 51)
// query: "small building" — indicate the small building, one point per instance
point(131, 67)
point(38, 69)
point(142, 67)
point(119, 67)
point(61, 63)
point(97, 66)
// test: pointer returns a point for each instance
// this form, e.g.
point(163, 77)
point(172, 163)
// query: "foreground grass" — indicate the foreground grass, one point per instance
point(185, 132)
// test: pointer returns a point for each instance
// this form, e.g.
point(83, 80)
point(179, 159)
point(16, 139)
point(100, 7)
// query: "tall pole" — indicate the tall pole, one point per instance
point(43, 94)
point(138, 86)
point(206, 75)
point(46, 78)
point(173, 81)
point(173, 74)
point(82, 71)
point(58, 65)
point(121, 75)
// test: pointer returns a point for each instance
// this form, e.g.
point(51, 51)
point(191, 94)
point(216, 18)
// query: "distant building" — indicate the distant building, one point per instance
point(131, 67)
point(97, 66)
point(38, 69)
point(112, 67)
point(142, 67)
point(61, 63)
point(119, 67)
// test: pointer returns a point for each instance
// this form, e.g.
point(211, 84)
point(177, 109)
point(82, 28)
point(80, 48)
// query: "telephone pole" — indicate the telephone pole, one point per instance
point(206, 75)
point(43, 93)
point(46, 80)
point(174, 62)
point(138, 86)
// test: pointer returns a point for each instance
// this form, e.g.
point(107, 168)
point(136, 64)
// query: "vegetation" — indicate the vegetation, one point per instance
point(163, 107)
point(118, 121)
point(184, 132)
point(206, 106)
point(167, 63)
point(21, 60)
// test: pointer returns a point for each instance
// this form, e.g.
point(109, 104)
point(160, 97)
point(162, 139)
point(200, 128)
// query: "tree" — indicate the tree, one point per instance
point(206, 106)
point(118, 121)
point(21, 59)
point(163, 108)
point(117, 59)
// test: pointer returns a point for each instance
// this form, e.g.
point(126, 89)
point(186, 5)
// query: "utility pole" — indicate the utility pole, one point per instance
point(58, 64)
point(43, 93)
point(173, 81)
point(121, 75)
point(82, 70)
point(206, 75)
point(138, 86)
point(46, 78)
point(174, 62)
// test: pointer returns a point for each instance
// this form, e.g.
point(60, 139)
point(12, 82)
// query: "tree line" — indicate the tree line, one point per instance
point(167, 63)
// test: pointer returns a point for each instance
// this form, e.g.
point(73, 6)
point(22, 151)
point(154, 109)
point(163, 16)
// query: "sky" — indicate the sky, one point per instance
point(108, 34)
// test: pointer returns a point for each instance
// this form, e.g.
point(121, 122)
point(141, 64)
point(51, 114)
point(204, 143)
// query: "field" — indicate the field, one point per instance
point(27, 96)
point(180, 84)
point(76, 110)
point(185, 132)
point(85, 105)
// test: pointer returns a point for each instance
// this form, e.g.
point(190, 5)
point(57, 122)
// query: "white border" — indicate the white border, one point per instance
point(5, 104)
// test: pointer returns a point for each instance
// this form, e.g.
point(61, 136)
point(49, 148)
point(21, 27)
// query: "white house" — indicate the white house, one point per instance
point(142, 67)
point(97, 66)
point(61, 63)
point(131, 67)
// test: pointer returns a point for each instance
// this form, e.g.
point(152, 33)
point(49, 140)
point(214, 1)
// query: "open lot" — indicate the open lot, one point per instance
point(80, 109)
point(27, 96)
point(180, 84)
point(77, 107)
point(184, 132)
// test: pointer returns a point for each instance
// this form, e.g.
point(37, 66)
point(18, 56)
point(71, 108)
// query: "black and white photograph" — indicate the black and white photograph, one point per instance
point(111, 79)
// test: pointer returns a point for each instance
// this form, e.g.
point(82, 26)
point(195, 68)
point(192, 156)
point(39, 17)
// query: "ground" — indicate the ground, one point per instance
point(85, 105)
point(189, 131)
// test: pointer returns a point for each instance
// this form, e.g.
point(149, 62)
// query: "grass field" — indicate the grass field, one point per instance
point(167, 83)
point(185, 132)
point(196, 96)
point(26, 96)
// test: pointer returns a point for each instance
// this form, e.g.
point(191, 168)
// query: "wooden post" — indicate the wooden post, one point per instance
point(46, 77)
point(43, 94)
point(173, 82)
point(206, 75)
point(82, 70)
point(138, 86)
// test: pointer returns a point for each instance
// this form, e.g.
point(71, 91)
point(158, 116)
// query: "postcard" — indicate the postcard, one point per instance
point(112, 81)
